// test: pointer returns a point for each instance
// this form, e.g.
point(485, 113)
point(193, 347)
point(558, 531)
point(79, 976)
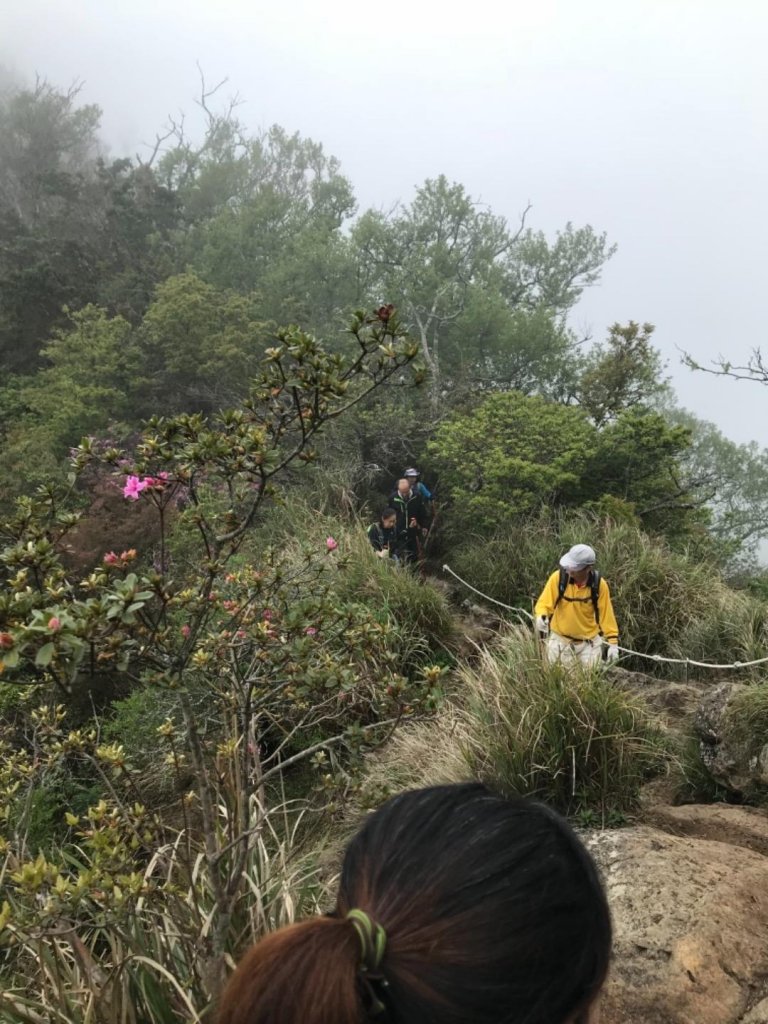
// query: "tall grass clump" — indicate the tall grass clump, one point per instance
point(573, 740)
point(733, 627)
point(666, 602)
point(396, 591)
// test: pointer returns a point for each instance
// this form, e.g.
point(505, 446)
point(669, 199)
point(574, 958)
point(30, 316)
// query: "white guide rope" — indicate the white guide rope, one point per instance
point(624, 650)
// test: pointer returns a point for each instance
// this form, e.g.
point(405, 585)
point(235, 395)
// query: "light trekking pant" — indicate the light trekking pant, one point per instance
point(569, 653)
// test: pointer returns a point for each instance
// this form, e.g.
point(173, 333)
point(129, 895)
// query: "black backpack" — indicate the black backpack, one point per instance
point(594, 591)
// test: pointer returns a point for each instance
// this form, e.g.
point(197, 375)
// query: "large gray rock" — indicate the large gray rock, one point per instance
point(691, 928)
point(675, 701)
point(733, 760)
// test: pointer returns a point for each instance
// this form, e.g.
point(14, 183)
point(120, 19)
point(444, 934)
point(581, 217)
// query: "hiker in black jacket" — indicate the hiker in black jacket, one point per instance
point(412, 520)
point(383, 535)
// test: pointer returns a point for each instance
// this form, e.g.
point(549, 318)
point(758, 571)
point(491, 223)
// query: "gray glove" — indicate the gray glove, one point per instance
point(542, 625)
point(612, 653)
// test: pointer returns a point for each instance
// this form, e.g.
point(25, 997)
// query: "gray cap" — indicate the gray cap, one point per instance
point(580, 556)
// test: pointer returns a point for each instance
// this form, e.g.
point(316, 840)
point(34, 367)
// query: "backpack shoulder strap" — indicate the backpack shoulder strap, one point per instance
point(562, 583)
point(595, 588)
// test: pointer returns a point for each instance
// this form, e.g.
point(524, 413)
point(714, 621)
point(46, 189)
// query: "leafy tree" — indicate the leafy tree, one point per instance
point(47, 146)
point(277, 231)
point(262, 214)
point(201, 346)
point(443, 253)
point(638, 460)
point(624, 373)
point(427, 256)
point(137, 237)
point(538, 273)
point(732, 478)
point(510, 455)
point(513, 350)
point(75, 230)
point(87, 385)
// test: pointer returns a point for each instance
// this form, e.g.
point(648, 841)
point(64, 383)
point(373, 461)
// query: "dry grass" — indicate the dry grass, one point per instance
point(421, 754)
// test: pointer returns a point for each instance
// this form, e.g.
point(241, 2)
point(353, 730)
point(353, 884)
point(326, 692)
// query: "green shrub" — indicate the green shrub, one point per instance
point(135, 723)
point(575, 740)
point(37, 815)
point(141, 949)
point(524, 449)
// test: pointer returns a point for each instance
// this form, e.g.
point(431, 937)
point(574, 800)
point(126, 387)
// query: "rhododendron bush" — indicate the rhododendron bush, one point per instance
point(137, 908)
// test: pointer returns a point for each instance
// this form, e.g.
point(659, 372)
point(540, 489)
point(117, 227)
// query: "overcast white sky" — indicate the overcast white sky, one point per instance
point(645, 118)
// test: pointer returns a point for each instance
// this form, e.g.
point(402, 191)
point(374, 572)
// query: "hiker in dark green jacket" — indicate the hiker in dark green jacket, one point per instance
point(412, 520)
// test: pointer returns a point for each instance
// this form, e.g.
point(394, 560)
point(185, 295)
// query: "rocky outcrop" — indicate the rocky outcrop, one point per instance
point(737, 826)
point(730, 755)
point(691, 927)
point(676, 701)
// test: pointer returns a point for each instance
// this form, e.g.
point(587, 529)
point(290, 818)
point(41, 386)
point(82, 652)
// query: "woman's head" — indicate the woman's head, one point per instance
point(492, 910)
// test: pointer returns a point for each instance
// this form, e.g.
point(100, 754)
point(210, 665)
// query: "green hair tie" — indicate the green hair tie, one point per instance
point(373, 940)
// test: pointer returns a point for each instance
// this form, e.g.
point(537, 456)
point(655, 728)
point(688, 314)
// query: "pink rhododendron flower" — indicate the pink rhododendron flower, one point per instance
point(54, 623)
point(134, 485)
point(111, 558)
point(240, 634)
point(185, 631)
point(310, 631)
point(331, 544)
point(267, 615)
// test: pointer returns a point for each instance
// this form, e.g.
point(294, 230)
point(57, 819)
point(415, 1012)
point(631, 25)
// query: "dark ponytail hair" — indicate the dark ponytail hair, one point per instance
point(493, 913)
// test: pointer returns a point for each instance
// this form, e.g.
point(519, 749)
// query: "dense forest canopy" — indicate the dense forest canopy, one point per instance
point(153, 284)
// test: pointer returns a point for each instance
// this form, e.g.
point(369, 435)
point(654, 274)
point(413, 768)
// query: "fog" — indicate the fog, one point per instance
point(645, 120)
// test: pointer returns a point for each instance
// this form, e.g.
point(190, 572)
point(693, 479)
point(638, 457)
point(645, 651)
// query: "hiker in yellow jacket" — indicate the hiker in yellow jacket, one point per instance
point(574, 612)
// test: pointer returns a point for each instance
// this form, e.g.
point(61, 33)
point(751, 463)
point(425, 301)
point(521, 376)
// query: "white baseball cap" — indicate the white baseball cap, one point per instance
point(580, 556)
